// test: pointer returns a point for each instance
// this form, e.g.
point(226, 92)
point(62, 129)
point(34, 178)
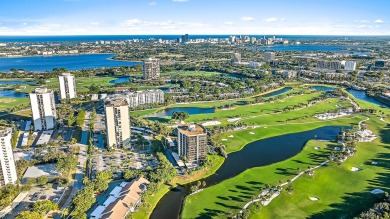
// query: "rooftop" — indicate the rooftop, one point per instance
point(117, 101)
point(41, 170)
point(191, 129)
point(42, 90)
point(67, 74)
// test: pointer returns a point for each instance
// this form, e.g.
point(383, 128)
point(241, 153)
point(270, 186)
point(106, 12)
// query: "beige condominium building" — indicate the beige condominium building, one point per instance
point(192, 142)
point(151, 69)
point(43, 109)
point(117, 123)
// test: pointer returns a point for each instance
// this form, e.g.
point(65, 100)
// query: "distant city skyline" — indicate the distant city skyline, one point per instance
point(154, 17)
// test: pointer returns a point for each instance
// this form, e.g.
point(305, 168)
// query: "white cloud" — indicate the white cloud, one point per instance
point(378, 21)
point(154, 3)
point(131, 22)
point(94, 23)
point(248, 18)
point(362, 21)
point(180, 0)
point(271, 19)
point(229, 23)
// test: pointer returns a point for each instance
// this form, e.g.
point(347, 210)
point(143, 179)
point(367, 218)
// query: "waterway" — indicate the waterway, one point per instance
point(258, 153)
point(189, 110)
point(70, 62)
point(361, 95)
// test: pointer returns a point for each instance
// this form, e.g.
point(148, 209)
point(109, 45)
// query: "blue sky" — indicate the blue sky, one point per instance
point(131, 17)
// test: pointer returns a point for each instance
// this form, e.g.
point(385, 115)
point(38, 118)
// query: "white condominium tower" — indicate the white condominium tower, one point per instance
point(151, 69)
point(67, 86)
point(43, 109)
point(7, 163)
point(268, 56)
point(350, 65)
point(117, 123)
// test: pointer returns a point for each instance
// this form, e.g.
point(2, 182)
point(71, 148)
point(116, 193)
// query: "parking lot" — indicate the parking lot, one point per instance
point(121, 160)
point(39, 193)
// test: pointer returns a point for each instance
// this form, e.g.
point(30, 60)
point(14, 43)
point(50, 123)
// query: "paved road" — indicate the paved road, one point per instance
point(78, 183)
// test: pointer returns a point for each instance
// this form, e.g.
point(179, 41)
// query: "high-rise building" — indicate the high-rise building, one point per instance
point(151, 69)
point(7, 164)
point(67, 86)
point(350, 65)
point(43, 109)
point(237, 58)
point(322, 64)
point(192, 142)
point(185, 38)
point(268, 56)
point(335, 65)
point(117, 123)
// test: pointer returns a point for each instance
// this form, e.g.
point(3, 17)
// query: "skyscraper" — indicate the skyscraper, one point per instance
point(322, 64)
point(185, 38)
point(237, 58)
point(350, 65)
point(117, 123)
point(268, 56)
point(67, 86)
point(335, 65)
point(192, 142)
point(151, 69)
point(43, 109)
point(7, 163)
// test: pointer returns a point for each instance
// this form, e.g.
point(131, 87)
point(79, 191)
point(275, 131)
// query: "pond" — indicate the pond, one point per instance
point(361, 95)
point(322, 88)
point(120, 80)
point(278, 92)
point(189, 110)
point(12, 94)
point(15, 82)
point(258, 153)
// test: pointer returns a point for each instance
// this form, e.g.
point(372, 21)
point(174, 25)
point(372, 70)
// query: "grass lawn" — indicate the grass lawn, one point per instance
point(144, 212)
point(342, 193)
point(9, 103)
point(340, 190)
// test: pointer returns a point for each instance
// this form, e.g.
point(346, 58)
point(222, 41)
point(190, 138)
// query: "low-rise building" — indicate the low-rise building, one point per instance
point(122, 200)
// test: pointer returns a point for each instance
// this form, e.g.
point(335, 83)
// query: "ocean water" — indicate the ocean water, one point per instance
point(91, 38)
point(70, 62)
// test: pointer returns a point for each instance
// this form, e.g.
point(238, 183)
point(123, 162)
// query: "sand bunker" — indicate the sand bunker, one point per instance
point(355, 169)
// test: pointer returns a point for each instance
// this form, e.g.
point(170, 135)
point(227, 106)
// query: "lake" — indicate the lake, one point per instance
point(322, 88)
point(258, 153)
point(361, 95)
point(189, 110)
point(120, 80)
point(11, 94)
point(70, 62)
point(15, 82)
point(278, 92)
